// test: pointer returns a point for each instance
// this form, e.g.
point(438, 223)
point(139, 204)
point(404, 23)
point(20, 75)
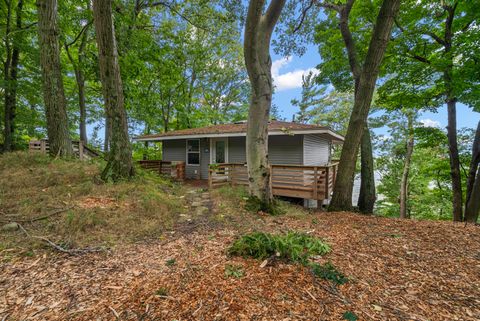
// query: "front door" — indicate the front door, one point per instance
point(219, 148)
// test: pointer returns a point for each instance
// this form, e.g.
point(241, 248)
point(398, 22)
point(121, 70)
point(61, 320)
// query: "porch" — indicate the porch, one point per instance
point(307, 182)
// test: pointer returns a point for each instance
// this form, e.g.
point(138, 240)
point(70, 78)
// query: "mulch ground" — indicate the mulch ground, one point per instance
point(398, 270)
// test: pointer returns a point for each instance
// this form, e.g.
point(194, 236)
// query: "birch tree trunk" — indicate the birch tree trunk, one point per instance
point(119, 158)
point(367, 197)
point(406, 170)
point(472, 205)
point(258, 32)
point(53, 92)
point(365, 78)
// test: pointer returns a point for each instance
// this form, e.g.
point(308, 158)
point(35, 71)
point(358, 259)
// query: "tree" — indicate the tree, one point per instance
point(120, 155)
point(440, 37)
point(472, 205)
point(258, 33)
point(78, 61)
point(12, 48)
point(53, 91)
point(364, 75)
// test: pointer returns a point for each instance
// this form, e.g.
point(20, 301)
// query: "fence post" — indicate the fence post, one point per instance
point(315, 183)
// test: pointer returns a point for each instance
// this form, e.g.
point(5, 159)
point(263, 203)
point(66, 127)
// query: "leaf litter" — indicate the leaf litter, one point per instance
point(428, 271)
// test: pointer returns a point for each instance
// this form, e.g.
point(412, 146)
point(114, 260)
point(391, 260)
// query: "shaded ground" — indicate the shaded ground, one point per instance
point(398, 270)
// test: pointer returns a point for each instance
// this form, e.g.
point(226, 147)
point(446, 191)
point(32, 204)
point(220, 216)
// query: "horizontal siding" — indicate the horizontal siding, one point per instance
point(174, 150)
point(285, 149)
point(236, 150)
point(282, 149)
point(204, 157)
point(316, 150)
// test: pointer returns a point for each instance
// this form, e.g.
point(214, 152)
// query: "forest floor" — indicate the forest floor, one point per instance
point(396, 269)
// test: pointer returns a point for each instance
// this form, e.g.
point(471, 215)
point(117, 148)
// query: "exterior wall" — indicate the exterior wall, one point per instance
point(316, 150)
point(176, 150)
point(286, 150)
point(236, 150)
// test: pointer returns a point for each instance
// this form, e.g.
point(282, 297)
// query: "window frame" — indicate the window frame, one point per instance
point(188, 152)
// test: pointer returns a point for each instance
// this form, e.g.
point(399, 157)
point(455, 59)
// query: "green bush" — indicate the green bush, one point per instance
point(255, 205)
point(291, 246)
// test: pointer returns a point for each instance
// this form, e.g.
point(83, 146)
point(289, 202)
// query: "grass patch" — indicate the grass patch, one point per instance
point(104, 214)
point(291, 246)
point(254, 204)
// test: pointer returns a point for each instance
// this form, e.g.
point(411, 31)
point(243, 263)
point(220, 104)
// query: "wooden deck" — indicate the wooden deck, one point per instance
point(168, 168)
point(309, 182)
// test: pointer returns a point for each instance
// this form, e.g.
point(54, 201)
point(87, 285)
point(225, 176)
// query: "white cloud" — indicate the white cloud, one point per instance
point(291, 79)
point(430, 123)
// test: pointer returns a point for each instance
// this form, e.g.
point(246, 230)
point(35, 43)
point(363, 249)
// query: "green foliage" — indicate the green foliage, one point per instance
point(170, 262)
point(350, 316)
point(254, 204)
point(329, 272)
point(162, 292)
point(291, 246)
point(235, 271)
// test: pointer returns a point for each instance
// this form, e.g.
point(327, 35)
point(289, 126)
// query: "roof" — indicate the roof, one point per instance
point(275, 127)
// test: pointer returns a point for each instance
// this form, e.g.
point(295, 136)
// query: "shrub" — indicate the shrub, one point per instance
point(235, 271)
point(291, 246)
point(254, 204)
point(329, 272)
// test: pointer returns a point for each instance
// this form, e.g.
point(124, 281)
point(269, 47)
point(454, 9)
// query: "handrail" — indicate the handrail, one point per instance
point(311, 182)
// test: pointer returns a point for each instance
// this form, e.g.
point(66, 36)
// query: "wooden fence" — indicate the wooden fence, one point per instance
point(168, 168)
point(309, 182)
point(80, 150)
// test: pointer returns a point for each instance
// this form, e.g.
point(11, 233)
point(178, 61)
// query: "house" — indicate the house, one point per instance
point(299, 154)
point(288, 144)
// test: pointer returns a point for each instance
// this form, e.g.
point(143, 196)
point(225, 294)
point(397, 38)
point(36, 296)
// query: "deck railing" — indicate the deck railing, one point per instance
point(175, 169)
point(310, 182)
point(80, 149)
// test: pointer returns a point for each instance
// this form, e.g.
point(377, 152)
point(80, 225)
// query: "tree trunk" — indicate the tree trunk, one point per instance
point(472, 206)
point(120, 155)
point(406, 170)
point(364, 87)
point(107, 131)
point(10, 77)
point(367, 197)
point(258, 32)
point(80, 80)
point(53, 92)
point(451, 101)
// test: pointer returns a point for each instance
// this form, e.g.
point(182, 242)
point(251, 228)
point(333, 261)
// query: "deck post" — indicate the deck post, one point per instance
point(327, 181)
point(80, 149)
point(315, 183)
point(43, 146)
point(210, 173)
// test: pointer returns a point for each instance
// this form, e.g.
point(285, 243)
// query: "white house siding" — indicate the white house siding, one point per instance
point(316, 150)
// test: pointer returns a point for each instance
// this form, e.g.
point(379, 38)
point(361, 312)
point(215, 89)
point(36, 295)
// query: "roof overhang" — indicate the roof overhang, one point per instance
point(333, 136)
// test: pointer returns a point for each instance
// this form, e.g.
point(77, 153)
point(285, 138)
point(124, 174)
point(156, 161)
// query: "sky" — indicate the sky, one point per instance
point(287, 74)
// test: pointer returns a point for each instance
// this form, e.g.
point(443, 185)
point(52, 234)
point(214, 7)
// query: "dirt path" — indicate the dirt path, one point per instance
point(398, 270)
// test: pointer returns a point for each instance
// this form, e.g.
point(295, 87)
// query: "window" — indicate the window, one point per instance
point(193, 152)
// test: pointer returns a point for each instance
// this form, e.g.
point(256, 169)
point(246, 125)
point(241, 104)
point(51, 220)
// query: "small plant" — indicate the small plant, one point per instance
point(170, 262)
point(291, 246)
point(255, 205)
point(314, 221)
point(350, 316)
point(235, 271)
point(162, 292)
point(329, 272)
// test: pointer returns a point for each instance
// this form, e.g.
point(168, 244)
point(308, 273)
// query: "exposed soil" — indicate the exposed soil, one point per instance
point(398, 270)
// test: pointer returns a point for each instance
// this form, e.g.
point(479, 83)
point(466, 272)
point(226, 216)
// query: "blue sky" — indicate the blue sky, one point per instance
point(287, 75)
